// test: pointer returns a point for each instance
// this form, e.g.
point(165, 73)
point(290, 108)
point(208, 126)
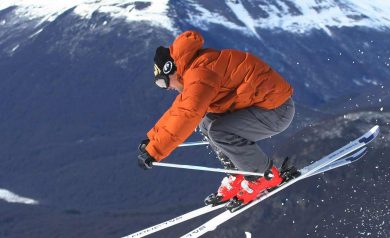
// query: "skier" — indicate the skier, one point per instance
point(234, 97)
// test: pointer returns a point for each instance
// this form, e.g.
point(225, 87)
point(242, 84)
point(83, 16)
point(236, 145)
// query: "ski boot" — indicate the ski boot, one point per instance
point(230, 184)
point(229, 188)
point(252, 189)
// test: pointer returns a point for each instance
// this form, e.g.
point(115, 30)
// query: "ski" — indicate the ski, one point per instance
point(343, 161)
point(206, 209)
point(306, 172)
point(174, 221)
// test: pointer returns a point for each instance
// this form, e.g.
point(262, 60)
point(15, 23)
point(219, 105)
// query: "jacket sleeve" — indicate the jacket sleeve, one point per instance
point(180, 120)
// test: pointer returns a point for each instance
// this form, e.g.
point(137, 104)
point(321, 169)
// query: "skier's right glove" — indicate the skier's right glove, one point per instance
point(145, 161)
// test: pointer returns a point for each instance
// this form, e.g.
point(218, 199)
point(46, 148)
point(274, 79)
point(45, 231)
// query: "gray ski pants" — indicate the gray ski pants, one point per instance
point(235, 134)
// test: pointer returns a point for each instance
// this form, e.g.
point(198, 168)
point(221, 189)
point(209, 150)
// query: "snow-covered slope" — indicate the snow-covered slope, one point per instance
point(154, 12)
point(9, 196)
point(297, 16)
point(294, 16)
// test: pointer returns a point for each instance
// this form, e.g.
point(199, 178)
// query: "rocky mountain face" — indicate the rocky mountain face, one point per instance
point(77, 95)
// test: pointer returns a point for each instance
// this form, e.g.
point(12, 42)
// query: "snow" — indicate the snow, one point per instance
point(15, 48)
point(248, 234)
point(330, 14)
point(36, 33)
point(41, 8)
point(315, 15)
point(11, 197)
point(312, 14)
point(206, 18)
point(49, 10)
point(242, 14)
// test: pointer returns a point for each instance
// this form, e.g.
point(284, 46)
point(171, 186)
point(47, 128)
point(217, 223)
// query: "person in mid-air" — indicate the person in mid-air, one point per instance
point(234, 97)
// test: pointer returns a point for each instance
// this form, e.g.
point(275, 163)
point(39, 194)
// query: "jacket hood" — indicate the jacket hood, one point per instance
point(184, 49)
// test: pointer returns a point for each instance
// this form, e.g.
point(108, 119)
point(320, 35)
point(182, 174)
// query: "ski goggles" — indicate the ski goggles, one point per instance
point(162, 81)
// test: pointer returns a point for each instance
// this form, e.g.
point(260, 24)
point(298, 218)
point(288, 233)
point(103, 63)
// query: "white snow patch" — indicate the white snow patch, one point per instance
point(38, 8)
point(248, 234)
point(329, 13)
point(243, 15)
point(357, 82)
point(314, 15)
point(15, 48)
point(309, 14)
point(11, 197)
point(370, 81)
point(36, 33)
point(49, 10)
point(85, 10)
point(205, 17)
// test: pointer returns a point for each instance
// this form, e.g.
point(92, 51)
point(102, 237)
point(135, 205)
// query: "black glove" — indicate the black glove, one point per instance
point(145, 160)
point(143, 145)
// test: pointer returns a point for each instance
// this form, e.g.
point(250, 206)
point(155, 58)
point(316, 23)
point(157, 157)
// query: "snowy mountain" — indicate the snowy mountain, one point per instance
point(344, 37)
point(247, 16)
point(77, 96)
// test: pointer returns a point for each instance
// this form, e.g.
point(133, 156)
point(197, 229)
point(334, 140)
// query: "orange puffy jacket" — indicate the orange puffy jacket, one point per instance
point(214, 81)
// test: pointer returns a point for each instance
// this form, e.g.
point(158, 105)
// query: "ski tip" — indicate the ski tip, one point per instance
point(370, 135)
point(375, 130)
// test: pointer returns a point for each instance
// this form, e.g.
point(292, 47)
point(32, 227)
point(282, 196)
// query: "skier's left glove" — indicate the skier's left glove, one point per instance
point(142, 145)
point(145, 161)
